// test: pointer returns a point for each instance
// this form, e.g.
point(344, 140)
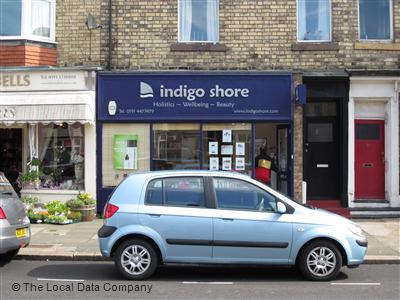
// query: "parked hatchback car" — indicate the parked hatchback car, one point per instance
point(221, 218)
point(14, 224)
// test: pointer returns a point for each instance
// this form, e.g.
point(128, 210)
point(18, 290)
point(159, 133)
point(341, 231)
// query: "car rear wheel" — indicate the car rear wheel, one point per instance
point(6, 257)
point(136, 259)
point(320, 260)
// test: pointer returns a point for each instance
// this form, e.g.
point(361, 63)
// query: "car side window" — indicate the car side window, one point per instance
point(184, 191)
point(154, 193)
point(176, 191)
point(240, 195)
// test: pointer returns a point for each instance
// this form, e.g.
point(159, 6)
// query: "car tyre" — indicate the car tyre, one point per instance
point(8, 256)
point(136, 259)
point(320, 261)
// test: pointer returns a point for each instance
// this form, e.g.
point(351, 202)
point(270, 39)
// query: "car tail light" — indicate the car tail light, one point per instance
point(110, 210)
point(2, 214)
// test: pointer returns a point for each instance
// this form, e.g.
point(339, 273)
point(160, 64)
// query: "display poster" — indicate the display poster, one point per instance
point(240, 164)
point(226, 135)
point(213, 148)
point(214, 163)
point(240, 148)
point(227, 149)
point(125, 152)
point(226, 163)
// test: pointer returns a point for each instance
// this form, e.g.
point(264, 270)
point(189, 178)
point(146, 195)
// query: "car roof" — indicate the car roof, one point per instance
point(171, 173)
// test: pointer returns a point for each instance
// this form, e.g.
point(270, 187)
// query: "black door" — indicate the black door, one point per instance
point(321, 158)
point(11, 154)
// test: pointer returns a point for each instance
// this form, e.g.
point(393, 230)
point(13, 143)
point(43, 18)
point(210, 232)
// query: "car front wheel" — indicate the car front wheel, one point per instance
point(136, 259)
point(320, 260)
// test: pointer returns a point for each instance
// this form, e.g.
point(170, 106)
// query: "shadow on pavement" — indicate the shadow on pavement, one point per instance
point(107, 272)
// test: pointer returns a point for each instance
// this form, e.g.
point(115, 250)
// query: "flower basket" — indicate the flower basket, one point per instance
point(88, 212)
point(85, 205)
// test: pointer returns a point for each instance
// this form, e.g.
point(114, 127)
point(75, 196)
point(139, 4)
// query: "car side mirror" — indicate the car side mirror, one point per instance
point(280, 208)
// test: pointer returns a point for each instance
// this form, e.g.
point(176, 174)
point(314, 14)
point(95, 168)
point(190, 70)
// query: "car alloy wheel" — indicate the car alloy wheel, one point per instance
point(136, 259)
point(320, 260)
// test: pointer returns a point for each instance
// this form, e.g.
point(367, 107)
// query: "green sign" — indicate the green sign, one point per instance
point(125, 152)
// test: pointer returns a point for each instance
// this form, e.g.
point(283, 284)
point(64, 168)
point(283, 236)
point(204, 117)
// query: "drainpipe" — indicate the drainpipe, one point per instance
point(109, 34)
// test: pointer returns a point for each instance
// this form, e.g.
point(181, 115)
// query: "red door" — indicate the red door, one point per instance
point(369, 160)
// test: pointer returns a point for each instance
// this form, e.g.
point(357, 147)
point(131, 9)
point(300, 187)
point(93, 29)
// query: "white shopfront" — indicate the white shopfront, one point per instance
point(374, 142)
point(48, 116)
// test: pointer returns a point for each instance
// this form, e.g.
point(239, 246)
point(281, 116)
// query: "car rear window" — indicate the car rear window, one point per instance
point(176, 191)
point(5, 186)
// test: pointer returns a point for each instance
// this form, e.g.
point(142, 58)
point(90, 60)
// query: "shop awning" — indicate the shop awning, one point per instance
point(18, 108)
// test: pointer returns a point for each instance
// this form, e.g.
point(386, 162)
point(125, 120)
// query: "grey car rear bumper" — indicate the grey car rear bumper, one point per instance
point(8, 239)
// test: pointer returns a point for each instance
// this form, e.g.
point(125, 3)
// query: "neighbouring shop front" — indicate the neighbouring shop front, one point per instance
point(374, 141)
point(47, 131)
point(186, 120)
point(325, 139)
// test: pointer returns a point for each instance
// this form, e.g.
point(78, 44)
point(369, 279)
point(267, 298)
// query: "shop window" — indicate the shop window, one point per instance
point(375, 19)
point(61, 152)
point(313, 20)
point(240, 195)
point(126, 149)
point(198, 21)
point(28, 19)
point(176, 146)
point(227, 147)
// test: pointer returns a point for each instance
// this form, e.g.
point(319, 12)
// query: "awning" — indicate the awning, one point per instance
point(71, 107)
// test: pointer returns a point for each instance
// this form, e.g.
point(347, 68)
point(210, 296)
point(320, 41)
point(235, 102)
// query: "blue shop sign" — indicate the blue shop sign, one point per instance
point(193, 96)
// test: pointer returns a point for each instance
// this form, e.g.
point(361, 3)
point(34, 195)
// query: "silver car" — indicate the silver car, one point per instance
point(15, 230)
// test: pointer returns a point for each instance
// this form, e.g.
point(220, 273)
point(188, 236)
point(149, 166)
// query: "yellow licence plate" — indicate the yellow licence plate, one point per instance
point(21, 232)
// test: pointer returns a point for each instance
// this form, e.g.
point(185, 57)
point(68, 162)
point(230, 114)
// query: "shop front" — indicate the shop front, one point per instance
point(186, 120)
point(47, 131)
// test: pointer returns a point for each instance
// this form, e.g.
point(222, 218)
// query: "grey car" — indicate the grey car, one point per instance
point(15, 230)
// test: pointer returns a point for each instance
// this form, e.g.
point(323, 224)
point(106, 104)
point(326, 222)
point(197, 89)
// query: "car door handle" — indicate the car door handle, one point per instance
point(154, 215)
point(227, 219)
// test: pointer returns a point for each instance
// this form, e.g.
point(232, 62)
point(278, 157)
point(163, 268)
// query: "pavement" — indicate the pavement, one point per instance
point(79, 241)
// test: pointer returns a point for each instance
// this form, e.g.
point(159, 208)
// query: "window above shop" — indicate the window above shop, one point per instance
point(375, 20)
point(198, 21)
point(314, 20)
point(28, 20)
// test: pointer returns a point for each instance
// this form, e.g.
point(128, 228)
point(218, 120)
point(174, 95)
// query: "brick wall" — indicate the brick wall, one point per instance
point(258, 35)
point(13, 54)
point(72, 35)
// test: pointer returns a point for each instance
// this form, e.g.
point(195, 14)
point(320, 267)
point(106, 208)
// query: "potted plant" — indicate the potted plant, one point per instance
point(57, 213)
point(84, 204)
point(29, 201)
point(75, 216)
point(30, 180)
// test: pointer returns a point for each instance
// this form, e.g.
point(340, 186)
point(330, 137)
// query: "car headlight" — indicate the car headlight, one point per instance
point(354, 228)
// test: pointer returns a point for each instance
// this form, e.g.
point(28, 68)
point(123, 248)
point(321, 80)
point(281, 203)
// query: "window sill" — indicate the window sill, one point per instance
point(26, 42)
point(198, 47)
point(329, 46)
point(377, 46)
point(50, 192)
